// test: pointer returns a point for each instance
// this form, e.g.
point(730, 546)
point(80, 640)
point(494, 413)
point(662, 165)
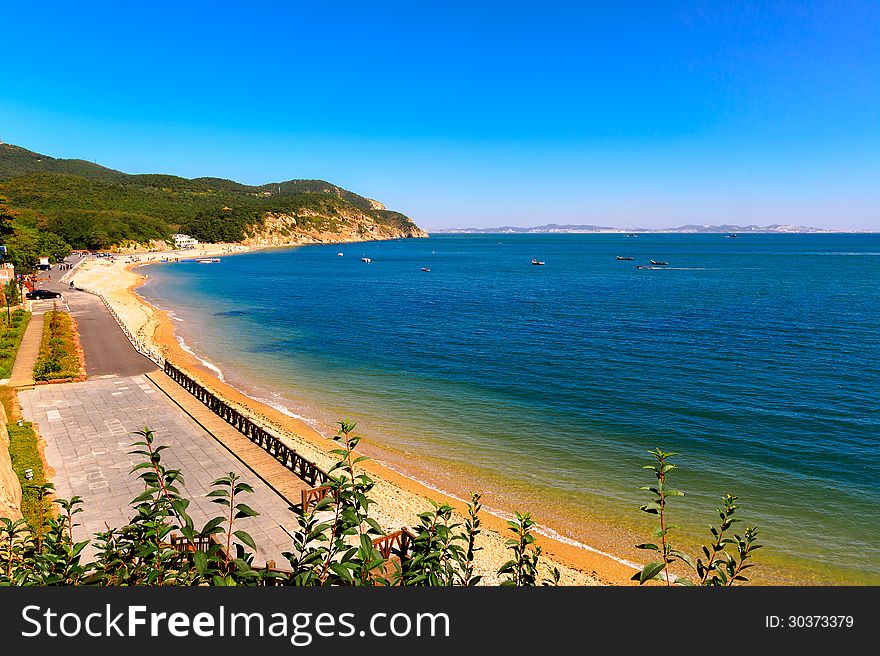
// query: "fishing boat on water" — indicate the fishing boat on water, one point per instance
point(655, 263)
point(425, 269)
point(207, 260)
point(537, 262)
point(366, 259)
point(628, 259)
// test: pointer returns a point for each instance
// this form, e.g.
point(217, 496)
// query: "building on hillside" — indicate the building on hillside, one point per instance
point(184, 241)
point(7, 272)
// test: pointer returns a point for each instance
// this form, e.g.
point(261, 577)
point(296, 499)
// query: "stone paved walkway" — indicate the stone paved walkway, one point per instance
point(88, 432)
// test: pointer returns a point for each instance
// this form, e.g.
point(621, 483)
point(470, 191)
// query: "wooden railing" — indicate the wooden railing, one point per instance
point(394, 544)
point(305, 469)
point(198, 543)
point(394, 548)
point(314, 495)
point(272, 575)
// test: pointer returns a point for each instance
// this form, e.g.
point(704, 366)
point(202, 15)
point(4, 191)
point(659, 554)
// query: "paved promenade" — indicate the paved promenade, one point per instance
point(88, 431)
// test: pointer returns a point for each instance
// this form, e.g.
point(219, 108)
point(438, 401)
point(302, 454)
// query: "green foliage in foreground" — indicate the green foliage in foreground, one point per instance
point(333, 544)
point(724, 560)
point(11, 334)
point(58, 358)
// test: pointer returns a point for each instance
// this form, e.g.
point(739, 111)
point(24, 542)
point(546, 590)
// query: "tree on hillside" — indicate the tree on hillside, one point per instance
point(224, 225)
point(53, 246)
point(7, 217)
point(25, 246)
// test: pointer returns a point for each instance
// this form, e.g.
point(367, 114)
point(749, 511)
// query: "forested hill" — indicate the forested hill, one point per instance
point(90, 206)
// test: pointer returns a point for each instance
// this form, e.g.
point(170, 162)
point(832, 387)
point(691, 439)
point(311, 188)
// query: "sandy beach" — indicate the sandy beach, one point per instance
point(399, 498)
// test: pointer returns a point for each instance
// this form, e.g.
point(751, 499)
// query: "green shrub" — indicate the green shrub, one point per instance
point(332, 545)
point(10, 339)
point(58, 357)
point(719, 566)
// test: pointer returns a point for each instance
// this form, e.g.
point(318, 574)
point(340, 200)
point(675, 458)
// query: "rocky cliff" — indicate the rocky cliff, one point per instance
point(347, 225)
point(10, 488)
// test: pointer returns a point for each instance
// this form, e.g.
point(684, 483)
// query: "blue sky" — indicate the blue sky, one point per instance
point(649, 114)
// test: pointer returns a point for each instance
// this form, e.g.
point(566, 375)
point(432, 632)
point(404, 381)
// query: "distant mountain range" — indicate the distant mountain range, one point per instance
point(556, 228)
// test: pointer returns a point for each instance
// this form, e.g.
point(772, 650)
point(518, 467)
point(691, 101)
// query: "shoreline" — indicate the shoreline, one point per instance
point(400, 497)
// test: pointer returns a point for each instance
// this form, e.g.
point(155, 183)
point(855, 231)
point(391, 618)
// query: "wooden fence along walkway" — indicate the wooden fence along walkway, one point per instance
point(304, 469)
point(394, 547)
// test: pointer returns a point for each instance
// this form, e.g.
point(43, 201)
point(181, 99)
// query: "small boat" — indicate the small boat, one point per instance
point(425, 269)
point(537, 262)
point(207, 260)
point(644, 266)
point(632, 235)
point(732, 236)
point(659, 263)
point(628, 259)
point(366, 259)
point(340, 254)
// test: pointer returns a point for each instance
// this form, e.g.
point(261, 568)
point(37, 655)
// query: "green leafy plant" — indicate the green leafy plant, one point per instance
point(344, 561)
point(435, 550)
point(336, 541)
point(226, 493)
point(717, 566)
point(472, 530)
point(16, 547)
point(522, 569)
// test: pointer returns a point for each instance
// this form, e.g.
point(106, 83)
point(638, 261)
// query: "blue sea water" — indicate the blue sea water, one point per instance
point(756, 359)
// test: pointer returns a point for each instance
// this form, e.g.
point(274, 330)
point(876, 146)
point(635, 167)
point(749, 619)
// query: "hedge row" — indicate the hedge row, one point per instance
point(11, 333)
point(59, 358)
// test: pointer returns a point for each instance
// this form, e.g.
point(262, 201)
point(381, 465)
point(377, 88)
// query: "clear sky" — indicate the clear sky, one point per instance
point(472, 114)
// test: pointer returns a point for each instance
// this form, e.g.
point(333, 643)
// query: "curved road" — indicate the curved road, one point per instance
point(107, 350)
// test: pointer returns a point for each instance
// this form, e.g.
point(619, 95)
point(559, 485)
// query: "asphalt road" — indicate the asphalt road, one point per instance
point(107, 350)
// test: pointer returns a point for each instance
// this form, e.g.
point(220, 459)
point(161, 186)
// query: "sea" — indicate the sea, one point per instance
point(755, 359)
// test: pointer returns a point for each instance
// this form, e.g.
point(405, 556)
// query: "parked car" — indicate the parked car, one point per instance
point(41, 294)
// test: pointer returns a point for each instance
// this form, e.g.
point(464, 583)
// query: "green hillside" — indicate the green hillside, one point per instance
point(90, 206)
point(16, 161)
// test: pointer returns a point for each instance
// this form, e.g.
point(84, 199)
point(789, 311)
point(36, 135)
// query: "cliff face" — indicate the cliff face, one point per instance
point(349, 225)
point(10, 488)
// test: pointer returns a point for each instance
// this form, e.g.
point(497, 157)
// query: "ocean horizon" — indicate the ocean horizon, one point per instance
point(756, 359)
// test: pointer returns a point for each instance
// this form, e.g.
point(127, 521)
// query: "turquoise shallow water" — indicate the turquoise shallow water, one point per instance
point(757, 359)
